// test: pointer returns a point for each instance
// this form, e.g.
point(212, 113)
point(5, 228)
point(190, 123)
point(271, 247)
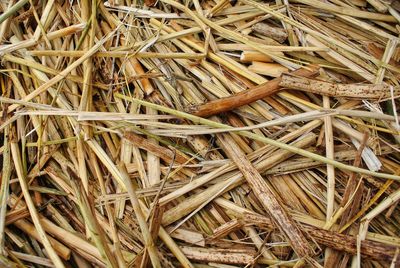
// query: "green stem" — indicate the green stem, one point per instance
point(12, 10)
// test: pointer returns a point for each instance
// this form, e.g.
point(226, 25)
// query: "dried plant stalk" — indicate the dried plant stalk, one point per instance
point(354, 91)
point(269, 69)
point(275, 33)
point(250, 56)
point(267, 198)
point(31, 206)
point(103, 167)
point(244, 97)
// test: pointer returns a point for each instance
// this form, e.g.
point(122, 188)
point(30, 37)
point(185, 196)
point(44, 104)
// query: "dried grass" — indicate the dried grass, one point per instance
point(199, 133)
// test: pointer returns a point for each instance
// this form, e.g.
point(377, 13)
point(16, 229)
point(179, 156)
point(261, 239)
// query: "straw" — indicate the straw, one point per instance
point(199, 133)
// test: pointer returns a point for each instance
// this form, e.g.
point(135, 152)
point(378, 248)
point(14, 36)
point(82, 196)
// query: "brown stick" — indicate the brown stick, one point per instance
point(275, 33)
point(231, 256)
point(370, 249)
point(341, 242)
point(245, 97)
point(165, 154)
point(351, 185)
point(267, 198)
point(354, 91)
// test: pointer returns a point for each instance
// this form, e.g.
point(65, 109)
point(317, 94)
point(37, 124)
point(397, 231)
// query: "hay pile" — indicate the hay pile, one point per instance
point(199, 133)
